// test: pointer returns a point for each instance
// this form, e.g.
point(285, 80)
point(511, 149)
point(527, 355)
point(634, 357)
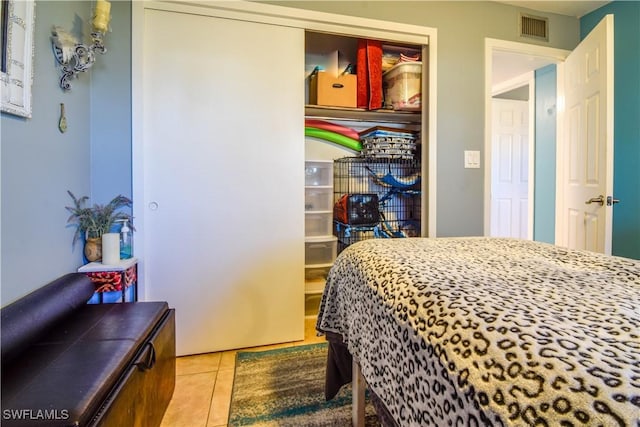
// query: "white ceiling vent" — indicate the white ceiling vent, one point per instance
point(534, 27)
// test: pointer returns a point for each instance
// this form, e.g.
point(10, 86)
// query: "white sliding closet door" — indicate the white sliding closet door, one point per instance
point(223, 147)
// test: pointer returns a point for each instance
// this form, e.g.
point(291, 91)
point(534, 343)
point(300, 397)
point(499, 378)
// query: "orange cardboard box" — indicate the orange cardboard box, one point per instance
point(333, 91)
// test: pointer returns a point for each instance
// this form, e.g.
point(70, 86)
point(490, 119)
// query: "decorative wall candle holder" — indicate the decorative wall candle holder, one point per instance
point(74, 57)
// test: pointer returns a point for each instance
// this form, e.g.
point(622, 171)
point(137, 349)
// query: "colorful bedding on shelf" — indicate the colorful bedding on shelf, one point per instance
point(488, 331)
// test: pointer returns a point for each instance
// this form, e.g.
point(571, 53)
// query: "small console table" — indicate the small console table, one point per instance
point(113, 282)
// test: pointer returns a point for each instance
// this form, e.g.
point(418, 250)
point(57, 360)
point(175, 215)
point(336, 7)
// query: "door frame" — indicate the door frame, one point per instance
point(553, 56)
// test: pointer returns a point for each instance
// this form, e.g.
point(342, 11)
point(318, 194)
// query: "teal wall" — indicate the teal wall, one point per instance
point(39, 164)
point(545, 155)
point(626, 176)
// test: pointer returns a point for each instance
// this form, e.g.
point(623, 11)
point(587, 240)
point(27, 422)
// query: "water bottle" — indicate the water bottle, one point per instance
point(126, 242)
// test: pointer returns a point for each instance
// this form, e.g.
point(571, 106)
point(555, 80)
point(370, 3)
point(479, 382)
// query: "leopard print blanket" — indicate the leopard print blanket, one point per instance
point(490, 332)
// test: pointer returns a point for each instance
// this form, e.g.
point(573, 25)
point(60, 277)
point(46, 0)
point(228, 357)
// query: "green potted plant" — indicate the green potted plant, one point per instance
point(92, 222)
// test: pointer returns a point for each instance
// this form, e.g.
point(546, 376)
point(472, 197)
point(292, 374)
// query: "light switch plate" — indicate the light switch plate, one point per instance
point(471, 159)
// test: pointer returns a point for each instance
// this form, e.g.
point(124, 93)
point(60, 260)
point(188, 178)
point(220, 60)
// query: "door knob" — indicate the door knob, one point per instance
point(599, 200)
point(611, 201)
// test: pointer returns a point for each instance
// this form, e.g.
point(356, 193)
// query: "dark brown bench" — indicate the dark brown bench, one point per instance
point(68, 363)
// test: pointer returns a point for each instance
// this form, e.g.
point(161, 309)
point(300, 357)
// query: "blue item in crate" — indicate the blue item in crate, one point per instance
point(389, 180)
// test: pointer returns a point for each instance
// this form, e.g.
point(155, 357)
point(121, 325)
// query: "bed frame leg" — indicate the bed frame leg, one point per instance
point(357, 390)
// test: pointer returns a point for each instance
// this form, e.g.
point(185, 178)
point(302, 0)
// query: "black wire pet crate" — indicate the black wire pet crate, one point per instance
point(376, 198)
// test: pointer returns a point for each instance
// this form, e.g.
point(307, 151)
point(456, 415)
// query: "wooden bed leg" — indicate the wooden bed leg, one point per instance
point(357, 390)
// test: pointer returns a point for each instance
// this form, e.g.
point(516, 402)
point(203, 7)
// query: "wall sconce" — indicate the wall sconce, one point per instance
point(74, 57)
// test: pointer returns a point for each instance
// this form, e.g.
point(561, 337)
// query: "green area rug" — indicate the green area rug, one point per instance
point(285, 387)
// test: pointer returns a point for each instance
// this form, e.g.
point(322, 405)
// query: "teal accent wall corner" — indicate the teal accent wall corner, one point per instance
point(626, 158)
point(545, 154)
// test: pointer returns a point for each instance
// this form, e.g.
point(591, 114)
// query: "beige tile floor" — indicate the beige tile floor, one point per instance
point(203, 385)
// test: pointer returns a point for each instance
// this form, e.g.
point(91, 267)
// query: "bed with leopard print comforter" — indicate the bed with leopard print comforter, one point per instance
point(490, 332)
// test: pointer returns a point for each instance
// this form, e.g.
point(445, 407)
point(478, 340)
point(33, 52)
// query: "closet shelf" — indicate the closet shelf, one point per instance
point(359, 114)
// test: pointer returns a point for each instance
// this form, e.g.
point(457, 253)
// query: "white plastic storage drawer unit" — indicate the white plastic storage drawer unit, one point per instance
point(318, 173)
point(318, 223)
point(320, 250)
point(317, 272)
point(318, 199)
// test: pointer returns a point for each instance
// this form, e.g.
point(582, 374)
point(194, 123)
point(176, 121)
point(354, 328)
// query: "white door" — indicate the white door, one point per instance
point(223, 149)
point(584, 217)
point(510, 168)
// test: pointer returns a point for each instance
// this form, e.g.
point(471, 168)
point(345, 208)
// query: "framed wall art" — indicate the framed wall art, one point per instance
point(17, 25)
